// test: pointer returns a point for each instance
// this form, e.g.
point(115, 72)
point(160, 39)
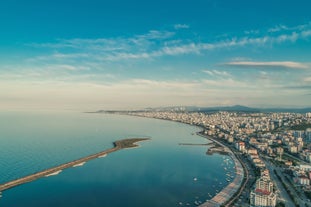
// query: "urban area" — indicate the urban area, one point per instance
point(275, 149)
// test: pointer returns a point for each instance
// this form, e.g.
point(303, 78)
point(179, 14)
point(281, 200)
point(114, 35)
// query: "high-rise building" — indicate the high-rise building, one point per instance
point(263, 194)
point(264, 183)
point(308, 135)
point(260, 198)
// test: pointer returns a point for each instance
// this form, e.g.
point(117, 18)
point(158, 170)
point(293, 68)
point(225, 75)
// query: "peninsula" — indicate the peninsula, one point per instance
point(118, 145)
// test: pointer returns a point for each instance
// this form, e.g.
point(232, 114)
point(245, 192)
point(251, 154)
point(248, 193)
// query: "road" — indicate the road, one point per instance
point(300, 197)
point(284, 197)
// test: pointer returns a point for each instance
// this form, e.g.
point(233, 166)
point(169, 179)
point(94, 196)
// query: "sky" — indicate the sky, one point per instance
point(104, 54)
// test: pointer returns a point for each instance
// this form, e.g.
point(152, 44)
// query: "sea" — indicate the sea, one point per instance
point(159, 173)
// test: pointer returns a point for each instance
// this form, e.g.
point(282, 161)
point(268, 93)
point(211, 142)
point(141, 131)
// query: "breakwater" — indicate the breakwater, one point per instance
point(118, 145)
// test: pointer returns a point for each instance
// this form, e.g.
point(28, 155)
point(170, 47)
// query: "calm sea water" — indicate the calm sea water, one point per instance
point(160, 173)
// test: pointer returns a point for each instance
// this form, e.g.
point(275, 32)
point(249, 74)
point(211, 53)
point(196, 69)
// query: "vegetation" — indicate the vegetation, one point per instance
point(128, 143)
point(308, 194)
point(302, 126)
point(280, 204)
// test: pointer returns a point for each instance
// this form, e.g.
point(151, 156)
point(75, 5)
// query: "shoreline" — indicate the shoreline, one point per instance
point(226, 196)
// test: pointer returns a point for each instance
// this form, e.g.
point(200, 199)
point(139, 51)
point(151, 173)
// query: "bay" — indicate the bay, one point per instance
point(158, 173)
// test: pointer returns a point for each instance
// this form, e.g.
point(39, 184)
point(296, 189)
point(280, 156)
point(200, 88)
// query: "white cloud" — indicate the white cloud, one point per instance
point(155, 34)
point(306, 34)
point(284, 64)
point(287, 37)
point(216, 73)
point(227, 83)
point(126, 56)
point(252, 32)
point(278, 28)
point(181, 26)
point(157, 43)
point(179, 50)
point(307, 79)
point(282, 27)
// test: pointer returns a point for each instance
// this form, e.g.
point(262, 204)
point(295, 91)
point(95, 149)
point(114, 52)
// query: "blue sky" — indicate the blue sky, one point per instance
point(133, 54)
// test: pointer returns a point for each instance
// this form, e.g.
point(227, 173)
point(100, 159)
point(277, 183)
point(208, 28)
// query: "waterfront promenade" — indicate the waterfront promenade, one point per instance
point(226, 194)
point(118, 145)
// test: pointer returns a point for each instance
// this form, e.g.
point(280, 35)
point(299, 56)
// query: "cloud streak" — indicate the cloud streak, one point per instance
point(281, 64)
point(216, 73)
point(181, 26)
point(157, 43)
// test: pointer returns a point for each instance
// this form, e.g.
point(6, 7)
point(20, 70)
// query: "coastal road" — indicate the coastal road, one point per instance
point(244, 182)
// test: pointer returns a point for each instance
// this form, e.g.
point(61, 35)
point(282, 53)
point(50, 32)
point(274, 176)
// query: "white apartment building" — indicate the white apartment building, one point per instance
point(263, 195)
point(260, 198)
point(264, 184)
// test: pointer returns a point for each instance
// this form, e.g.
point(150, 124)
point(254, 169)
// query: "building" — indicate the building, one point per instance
point(263, 194)
point(305, 167)
point(252, 151)
point(279, 152)
point(240, 146)
point(308, 157)
point(303, 180)
point(265, 174)
point(260, 198)
point(293, 149)
point(308, 135)
point(265, 184)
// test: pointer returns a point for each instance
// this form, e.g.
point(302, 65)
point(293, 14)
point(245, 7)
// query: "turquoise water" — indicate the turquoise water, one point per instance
point(158, 173)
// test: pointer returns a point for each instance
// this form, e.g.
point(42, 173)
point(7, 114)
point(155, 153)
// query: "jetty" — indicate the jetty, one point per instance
point(118, 145)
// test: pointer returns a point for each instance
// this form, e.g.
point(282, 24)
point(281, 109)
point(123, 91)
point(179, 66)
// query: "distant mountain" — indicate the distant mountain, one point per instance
point(291, 110)
point(236, 108)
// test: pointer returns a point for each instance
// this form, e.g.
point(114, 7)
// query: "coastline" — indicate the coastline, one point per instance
point(225, 195)
point(228, 194)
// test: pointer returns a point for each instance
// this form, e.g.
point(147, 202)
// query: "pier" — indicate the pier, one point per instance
point(118, 145)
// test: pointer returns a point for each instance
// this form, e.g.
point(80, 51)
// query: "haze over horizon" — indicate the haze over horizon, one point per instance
point(134, 54)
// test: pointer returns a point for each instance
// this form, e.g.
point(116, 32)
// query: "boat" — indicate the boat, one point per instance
point(195, 179)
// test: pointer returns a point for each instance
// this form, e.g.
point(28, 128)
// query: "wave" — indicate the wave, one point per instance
point(80, 164)
point(54, 173)
point(104, 155)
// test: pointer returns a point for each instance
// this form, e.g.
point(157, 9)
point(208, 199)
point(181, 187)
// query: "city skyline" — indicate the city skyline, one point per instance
point(127, 55)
